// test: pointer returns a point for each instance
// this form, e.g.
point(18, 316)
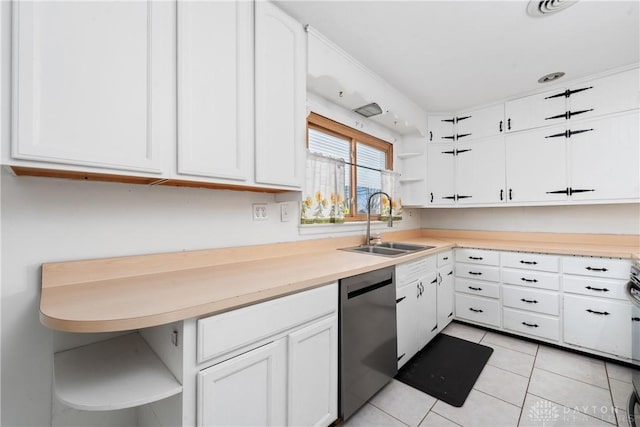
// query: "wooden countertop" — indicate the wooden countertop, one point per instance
point(118, 294)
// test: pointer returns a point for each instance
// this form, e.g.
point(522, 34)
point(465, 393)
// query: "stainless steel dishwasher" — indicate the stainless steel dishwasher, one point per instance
point(367, 337)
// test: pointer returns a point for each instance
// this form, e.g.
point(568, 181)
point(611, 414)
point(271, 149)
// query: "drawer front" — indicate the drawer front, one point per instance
point(478, 287)
point(478, 272)
point(598, 267)
point(478, 256)
point(601, 288)
point(598, 324)
point(532, 324)
point(409, 271)
point(531, 299)
point(528, 261)
point(481, 310)
point(532, 279)
point(229, 331)
point(445, 258)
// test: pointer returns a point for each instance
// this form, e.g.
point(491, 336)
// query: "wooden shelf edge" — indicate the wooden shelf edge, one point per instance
point(118, 373)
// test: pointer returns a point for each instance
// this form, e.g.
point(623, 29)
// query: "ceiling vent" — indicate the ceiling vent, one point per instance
point(369, 110)
point(548, 7)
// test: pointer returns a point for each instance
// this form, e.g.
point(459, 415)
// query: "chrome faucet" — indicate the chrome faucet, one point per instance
point(389, 222)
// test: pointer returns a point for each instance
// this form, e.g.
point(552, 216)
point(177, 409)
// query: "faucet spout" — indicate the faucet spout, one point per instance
point(367, 240)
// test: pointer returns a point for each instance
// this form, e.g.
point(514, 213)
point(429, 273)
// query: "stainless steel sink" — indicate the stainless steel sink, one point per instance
point(390, 249)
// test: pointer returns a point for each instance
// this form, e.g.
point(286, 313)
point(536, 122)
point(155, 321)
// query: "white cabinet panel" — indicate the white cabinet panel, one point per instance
point(531, 299)
point(478, 287)
point(533, 279)
point(605, 95)
point(532, 324)
point(598, 324)
point(280, 110)
point(482, 310)
point(215, 89)
point(604, 160)
point(536, 165)
point(441, 186)
point(427, 315)
point(313, 374)
point(405, 307)
point(480, 272)
point(534, 111)
point(86, 94)
point(440, 127)
point(249, 389)
point(445, 296)
point(595, 287)
point(477, 256)
point(531, 261)
point(481, 123)
point(597, 267)
point(480, 172)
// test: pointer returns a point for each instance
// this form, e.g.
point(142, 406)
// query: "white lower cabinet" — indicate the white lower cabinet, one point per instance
point(249, 389)
point(477, 285)
point(445, 303)
point(284, 373)
point(476, 309)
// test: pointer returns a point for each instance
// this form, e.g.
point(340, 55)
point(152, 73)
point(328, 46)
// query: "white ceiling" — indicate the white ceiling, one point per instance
point(451, 55)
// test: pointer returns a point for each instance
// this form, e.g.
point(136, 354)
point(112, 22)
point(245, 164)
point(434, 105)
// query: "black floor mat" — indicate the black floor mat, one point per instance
point(447, 368)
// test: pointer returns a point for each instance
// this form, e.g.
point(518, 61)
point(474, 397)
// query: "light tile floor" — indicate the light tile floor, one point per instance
point(523, 384)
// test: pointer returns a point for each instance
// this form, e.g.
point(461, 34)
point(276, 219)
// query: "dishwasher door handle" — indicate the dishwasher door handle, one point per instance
point(369, 288)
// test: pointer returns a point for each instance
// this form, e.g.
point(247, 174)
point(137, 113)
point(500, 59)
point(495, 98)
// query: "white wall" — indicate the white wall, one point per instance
point(47, 220)
point(606, 219)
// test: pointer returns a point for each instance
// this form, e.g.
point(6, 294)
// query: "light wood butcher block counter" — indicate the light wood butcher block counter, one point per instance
point(118, 294)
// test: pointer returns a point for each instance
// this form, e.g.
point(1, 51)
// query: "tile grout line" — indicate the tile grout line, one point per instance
point(613, 403)
point(526, 392)
point(575, 379)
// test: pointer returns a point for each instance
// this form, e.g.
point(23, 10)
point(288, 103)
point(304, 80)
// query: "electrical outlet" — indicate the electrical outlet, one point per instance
point(260, 212)
point(284, 212)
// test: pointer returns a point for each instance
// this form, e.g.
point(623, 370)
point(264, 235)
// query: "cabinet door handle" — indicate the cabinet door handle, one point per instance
point(635, 319)
point(444, 258)
point(529, 301)
point(430, 136)
point(475, 273)
point(476, 310)
point(510, 194)
point(509, 124)
point(501, 194)
point(474, 289)
point(529, 280)
point(431, 197)
point(596, 269)
point(602, 313)
point(597, 289)
point(528, 262)
point(477, 258)
point(400, 300)
point(500, 126)
point(531, 325)
point(439, 279)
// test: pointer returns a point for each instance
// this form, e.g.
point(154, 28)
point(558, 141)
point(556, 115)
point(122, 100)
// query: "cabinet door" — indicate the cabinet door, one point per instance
point(445, 296)
point(480, 172)
point(441, 128)
point(534, 111)
point(598, 324)
point(313, 374)
point(280, 110)
point(482, 123)
point(536, 165)
point(440, 174)
point(610, 94)
point(635, 333)
point(426, 316)
point(604, 160)
point(87, 94)
point(406, 301)
point(247, 390)
point(215, 89)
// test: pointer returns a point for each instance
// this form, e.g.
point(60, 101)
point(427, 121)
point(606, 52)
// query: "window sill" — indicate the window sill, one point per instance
point(352, 227)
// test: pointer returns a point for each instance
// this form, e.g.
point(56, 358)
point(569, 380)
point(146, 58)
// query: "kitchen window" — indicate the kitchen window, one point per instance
point(365, 156)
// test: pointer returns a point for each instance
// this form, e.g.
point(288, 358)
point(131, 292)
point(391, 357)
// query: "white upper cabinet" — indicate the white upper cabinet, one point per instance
point(534, 111)
point(215, 89)
point(480, 172)
point(441, 186)
point(603, 160)
point(441, 128)
point(610, 94)
point(536, 166)
point(480, 123)
point(280, 110)
point(93, 83)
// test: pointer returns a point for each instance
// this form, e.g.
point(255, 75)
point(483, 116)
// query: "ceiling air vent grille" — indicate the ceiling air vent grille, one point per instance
point(548, 7)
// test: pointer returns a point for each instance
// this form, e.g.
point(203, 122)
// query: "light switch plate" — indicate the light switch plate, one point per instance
point(284, 212)
point(260, 212)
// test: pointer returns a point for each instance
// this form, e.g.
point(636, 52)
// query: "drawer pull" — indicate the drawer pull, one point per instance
point(596, 269)
point(528, 262)
point(475, 273)
point(444, 258)
point(597, 289)
point(476, 310)
point(602, 313)
point(529, 280)
point(531, 325)
point(529, 301)
point(477, 258)
point(474, 289)
point(635, 319)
